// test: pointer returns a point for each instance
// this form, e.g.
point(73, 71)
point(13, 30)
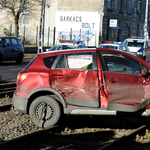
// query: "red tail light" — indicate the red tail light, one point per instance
point(22, 76)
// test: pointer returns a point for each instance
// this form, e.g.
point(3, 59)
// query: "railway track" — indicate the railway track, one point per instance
point(7, 88)
point(130, 136)
point(26, 140)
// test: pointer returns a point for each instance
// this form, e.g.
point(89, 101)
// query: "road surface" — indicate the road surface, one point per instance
point(9, 69)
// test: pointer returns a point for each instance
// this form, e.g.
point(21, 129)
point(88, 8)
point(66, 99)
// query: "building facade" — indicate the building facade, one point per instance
point(93, 21)
point(130, 16)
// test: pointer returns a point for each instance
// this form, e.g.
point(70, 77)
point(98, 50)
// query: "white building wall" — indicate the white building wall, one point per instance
point(77, 25)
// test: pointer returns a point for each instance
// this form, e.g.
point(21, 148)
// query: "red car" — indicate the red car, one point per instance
point(83, 82)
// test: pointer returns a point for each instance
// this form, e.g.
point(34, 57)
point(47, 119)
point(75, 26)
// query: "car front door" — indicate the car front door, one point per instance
point(124, 83)
point(75, 75)
point(6, 50)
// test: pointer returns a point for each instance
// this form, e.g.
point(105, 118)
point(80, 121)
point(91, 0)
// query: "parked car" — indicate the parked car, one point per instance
point(65, 44)
point(138, 46)
point(73, 41)
point(11, 49)
point(95, 81)
point(117, 45)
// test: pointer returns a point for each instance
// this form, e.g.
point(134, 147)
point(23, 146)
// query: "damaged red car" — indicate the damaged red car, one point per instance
point(83, 82)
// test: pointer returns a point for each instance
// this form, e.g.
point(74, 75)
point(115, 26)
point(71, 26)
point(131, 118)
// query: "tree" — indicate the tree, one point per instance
point(15, 8)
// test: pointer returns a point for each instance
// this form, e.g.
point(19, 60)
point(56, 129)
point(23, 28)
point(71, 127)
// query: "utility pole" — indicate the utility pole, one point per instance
point(41, 32)
point(146, 18)
point(101, 22)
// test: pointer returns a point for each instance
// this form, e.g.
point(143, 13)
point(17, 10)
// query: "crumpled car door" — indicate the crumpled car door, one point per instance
point(79, 86)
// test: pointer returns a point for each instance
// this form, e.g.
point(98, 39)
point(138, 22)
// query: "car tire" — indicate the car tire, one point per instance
point(19, 59)
point(44, 112)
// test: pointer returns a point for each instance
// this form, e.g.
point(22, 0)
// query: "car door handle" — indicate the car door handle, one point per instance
point(113, 80)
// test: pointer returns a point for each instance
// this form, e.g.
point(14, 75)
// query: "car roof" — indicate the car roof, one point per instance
point(65, 44)
point(71, 41)
point(136, 39)
point(67, 51)
point(54, 53)
point(110, 44)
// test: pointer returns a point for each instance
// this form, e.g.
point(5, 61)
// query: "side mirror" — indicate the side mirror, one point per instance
point(144, 73)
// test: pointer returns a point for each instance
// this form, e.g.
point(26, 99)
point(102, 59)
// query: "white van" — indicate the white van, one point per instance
point(138, 47)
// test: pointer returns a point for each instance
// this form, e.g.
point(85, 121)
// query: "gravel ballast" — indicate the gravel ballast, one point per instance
point(15, 125)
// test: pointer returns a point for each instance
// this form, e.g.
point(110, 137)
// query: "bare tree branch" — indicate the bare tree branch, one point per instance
point(14, 8)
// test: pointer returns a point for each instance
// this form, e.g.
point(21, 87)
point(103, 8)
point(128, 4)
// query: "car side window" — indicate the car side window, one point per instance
point(70, 47)
point(59, 47)
point(120, 48)
point(117, 62)
point(80, 46)
point(144, 67)
point(7, 41)
point(53, 48)
point(19, 42)
point(124, 49)
point(48, 61)
point(14, 41)
point(76, 61)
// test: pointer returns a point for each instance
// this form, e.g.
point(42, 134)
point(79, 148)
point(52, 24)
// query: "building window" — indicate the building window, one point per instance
point(120, 4)
point(139, 8)
point(139, 5)
point(130, 6)
point(109, 3)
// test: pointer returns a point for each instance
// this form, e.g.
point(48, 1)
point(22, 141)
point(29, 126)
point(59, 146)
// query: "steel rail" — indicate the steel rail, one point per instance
point(123, 139)
point(26, 139)
point(7, 87)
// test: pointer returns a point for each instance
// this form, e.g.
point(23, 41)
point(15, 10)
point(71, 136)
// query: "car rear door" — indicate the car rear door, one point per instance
point(75, 75)
point(15, 48)
point(125, 88)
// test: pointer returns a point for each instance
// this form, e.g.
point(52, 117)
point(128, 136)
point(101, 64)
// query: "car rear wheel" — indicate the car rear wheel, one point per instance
point(19, 59)
point(44, 112)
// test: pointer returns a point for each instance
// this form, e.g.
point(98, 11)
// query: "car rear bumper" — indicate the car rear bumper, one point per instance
point(20, 104)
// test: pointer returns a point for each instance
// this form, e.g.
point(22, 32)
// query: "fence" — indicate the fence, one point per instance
point(30, 36)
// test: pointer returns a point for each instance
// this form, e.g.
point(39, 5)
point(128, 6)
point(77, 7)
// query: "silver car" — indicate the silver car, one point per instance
point(121, 47)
